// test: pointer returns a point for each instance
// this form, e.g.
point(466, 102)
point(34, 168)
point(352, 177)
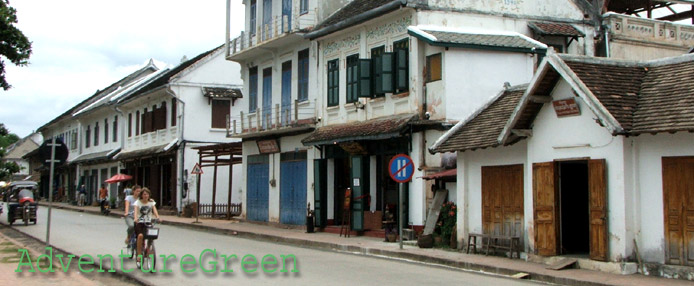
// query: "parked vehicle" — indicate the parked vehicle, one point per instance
point(21, 202)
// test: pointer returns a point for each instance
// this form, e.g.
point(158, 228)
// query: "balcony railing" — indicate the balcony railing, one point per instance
point(278, 118)
point(277, 27)
point(656, 31)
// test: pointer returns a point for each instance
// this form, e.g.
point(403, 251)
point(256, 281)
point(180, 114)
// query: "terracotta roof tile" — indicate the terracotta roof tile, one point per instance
point(374, 129)
point(217, 92)
point(555, 29)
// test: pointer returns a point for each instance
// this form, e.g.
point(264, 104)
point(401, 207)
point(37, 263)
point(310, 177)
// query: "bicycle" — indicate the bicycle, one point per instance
point(149, 252)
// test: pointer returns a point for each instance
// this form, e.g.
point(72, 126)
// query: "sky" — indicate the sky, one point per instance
point(80, 46)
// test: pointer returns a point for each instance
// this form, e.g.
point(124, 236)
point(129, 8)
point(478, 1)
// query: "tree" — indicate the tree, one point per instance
point(7, 139)
point(14, 46)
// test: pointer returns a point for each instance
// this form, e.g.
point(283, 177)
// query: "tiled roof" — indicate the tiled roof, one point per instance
point(555, 29)
point(374, 129)
point(474, 38)
point(352, 9)
point(483, 129)
point(217, 92)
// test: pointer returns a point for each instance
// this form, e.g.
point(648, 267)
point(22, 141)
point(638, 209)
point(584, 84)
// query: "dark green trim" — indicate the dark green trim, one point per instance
point(541, 51)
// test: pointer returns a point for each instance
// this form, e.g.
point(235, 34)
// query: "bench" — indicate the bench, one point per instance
point(494, 242)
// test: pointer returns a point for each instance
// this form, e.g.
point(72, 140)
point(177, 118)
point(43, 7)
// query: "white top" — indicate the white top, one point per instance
point(145, 210)
point(131, 210)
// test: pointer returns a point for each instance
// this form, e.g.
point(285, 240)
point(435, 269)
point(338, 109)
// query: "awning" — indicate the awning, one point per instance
point(217, 92)
point(92, 157)
point(476, 39)
point(374, 129)
point(447, 174)
point(143, 153)
point(555, 29)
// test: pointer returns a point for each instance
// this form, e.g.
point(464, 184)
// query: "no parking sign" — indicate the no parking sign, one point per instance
point(401, 168)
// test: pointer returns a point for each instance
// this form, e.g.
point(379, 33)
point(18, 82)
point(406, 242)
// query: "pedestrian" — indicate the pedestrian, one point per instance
point(144, 208)
point(130, 199)
point(103, 196)
point(83, 196)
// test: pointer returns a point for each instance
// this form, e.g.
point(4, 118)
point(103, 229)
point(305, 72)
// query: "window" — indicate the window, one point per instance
point(253, 89)
point(303, 75)
point(401, 50)
point(96, 134)
point(173, 112)
point(73, 139)
point(137, 123)
point(253, 17)
point(352, 78)
point(433, 67)
point(220, 111)
point(105, 130)
point(303, 7)
point(130, 125)
point(87, 137)
point(267, 19)
point(376, 84)
point(115, 128)
point(333, 82)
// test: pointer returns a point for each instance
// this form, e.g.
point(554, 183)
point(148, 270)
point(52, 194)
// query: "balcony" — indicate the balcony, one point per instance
point(280, 32)
point(655, 32)
point(295, 118)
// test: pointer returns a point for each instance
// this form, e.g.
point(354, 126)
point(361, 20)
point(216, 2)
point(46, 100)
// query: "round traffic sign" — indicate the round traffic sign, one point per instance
point(60, 156)
point(401, 168)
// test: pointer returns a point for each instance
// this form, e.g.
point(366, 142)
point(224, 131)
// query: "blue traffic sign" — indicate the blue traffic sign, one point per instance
point(401, 168)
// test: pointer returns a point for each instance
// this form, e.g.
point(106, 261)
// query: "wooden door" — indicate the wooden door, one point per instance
point(320, 187)
point(545, 208)
point(502, 200)
point(678, 203)
point(597, 197)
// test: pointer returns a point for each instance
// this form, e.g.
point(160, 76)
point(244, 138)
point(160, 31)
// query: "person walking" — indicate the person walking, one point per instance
point(144, 208)
point(103, 196)
point(128, 215)
point(82, 196)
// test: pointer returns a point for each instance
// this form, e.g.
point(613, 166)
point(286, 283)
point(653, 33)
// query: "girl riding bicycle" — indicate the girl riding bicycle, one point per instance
point(144, 207)
point(129, 213)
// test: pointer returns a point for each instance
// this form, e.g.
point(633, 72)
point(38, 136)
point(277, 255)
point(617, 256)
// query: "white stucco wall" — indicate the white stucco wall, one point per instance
point(547, 8)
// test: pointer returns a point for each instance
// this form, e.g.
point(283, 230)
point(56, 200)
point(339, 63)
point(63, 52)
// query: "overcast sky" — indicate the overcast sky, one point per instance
point(80, 46)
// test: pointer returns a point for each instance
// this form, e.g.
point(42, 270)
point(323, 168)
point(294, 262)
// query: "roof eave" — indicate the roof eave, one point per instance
point(358, 19)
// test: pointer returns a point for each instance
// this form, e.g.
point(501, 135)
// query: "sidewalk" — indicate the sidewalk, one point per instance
point(376, 247)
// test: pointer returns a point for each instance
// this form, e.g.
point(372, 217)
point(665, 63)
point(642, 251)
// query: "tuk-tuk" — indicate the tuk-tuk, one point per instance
point(21, 202)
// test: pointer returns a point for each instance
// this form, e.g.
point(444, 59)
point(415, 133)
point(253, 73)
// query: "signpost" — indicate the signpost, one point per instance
point(197, 170)
point(401, 169)
point(51, 153)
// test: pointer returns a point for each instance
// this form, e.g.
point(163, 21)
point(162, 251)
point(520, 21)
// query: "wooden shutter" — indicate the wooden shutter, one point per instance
point(320, 187)
point(173, 112)
point(678, 203)
point(364, 84)
point(597, 186)
point(401, 78)
point(220, 110)
point(360, 173)
point(544, 210)
point(387, 73)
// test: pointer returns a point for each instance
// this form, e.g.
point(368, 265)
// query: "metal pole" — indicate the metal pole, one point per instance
point(197, 199)
point(50, 193)
point(400, 219)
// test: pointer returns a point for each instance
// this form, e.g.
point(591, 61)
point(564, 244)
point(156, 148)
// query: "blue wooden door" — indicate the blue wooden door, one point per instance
point(286, 13)
point(293, 190)
point(257, 188)
point(286, 92)
point(267, 98)
point(267, 19)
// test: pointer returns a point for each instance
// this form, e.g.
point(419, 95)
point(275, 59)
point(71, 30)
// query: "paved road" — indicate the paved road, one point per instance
point(95, 235)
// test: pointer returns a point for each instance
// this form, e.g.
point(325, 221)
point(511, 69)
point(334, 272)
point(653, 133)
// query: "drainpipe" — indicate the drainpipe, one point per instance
point(181, 170)
point(606, 32)
point(226, 36)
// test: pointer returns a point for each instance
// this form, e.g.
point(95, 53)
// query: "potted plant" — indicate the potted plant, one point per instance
point(447, 221)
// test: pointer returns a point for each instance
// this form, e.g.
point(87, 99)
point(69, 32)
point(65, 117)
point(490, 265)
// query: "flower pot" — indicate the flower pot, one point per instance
point(391, 237)
point(437, 240)
point(425, 241)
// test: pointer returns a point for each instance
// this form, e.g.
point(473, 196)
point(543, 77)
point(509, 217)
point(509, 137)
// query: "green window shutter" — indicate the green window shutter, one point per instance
point(387, 73)
point(320, 171)
point(378, 84)
point(364, 84)
point(333, 84)
point(360, 173)
point(401, 70)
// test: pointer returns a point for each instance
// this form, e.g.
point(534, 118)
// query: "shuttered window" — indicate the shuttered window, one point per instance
point(137, 123)
point(253, 89)
point(96, 134)
point(401, 50)
point(115, 128)
point(352, 78)
point(333, 82)
point(173, 112)
point(130, 125)
point(87, 137)
point(105, 130)
point(376, 84)
point(220, 111)
point(434, 67)
point(303, 75)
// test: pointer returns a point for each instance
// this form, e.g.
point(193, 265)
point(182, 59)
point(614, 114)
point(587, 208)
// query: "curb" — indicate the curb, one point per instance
point(365, 251)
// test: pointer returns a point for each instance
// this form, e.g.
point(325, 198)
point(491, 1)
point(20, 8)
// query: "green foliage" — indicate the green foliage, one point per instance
point(447, 220)
point(6, 139)
point(14, 46)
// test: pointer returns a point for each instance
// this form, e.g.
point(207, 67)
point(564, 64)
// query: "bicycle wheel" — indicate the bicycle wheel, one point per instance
point(149, 257)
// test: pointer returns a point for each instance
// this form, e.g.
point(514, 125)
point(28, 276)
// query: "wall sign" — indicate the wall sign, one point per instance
point(268, 146)
point(566, 107)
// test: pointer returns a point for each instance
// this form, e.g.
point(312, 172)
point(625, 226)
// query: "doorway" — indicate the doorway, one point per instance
point(342, 182)
point(574, 209)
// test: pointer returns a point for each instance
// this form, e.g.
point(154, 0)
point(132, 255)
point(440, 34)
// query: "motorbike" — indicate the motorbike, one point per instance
point(21, 202)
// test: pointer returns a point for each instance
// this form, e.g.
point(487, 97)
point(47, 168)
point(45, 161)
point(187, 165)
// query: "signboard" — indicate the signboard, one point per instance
point(401, 168)
point(268, 146)
point(60, 156)
point(196, 169)
point(566, 107)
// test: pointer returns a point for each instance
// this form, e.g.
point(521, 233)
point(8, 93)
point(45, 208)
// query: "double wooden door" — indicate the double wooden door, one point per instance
point(546, 208)
point(502, 200)
point(678, 201)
